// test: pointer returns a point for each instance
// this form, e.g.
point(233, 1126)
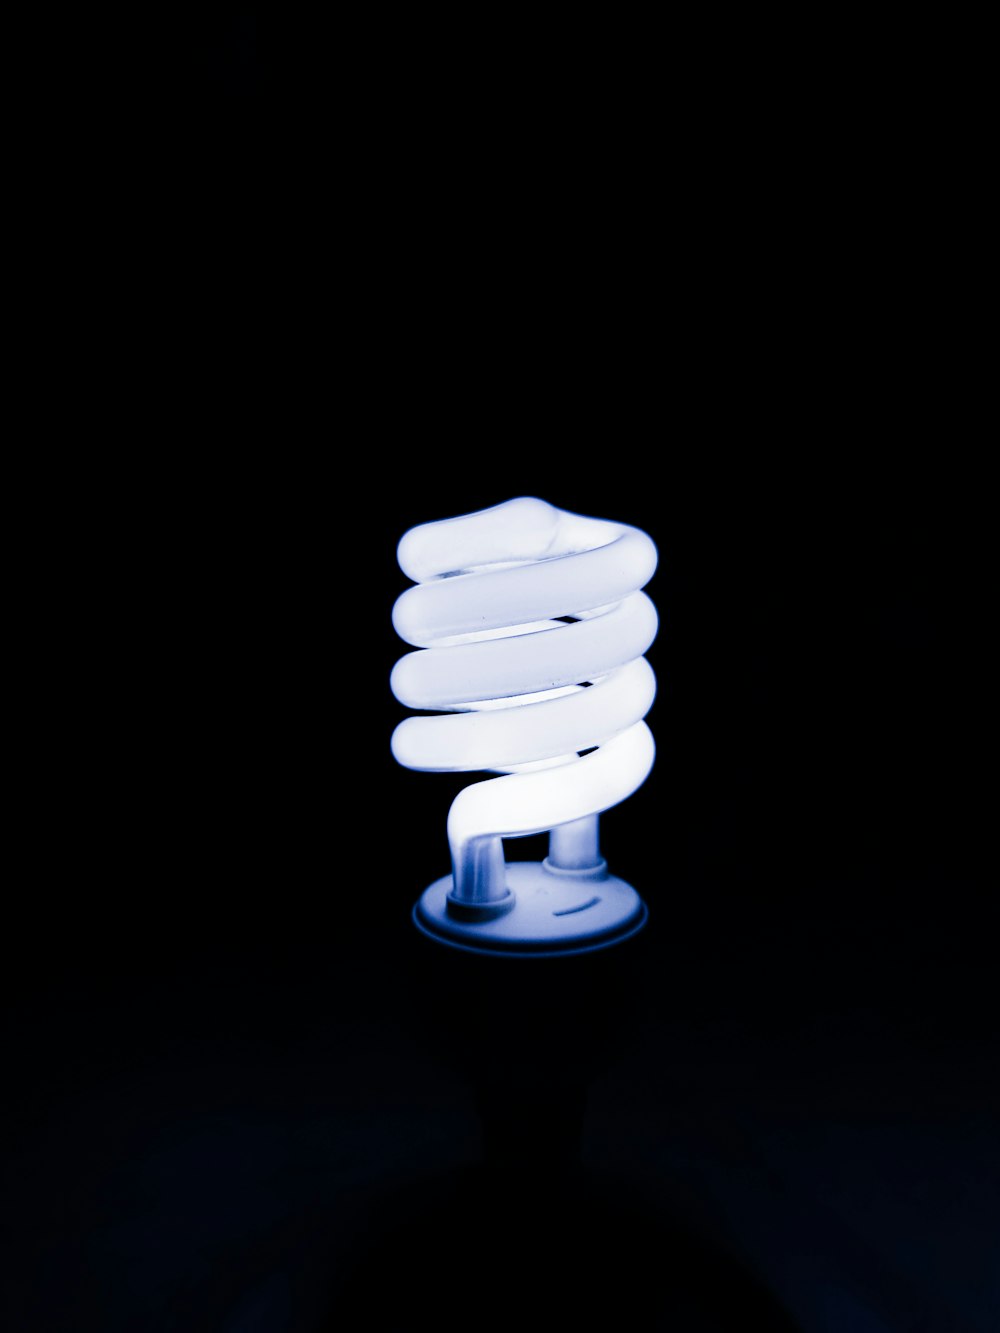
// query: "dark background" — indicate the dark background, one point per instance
point(243, 1092)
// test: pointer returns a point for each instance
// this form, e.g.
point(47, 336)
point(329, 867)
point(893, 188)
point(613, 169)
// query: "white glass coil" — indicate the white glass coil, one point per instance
point(530, 626)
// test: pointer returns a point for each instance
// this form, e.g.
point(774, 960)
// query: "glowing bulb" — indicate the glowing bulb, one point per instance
point(530, 626)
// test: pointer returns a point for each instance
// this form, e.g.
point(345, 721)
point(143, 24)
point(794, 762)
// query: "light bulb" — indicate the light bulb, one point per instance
point(530, 628)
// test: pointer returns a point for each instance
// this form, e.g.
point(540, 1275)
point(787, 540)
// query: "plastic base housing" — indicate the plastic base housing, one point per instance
point(548, 912)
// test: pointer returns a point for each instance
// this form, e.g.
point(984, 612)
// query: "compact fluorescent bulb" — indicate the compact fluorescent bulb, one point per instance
point(530, 626)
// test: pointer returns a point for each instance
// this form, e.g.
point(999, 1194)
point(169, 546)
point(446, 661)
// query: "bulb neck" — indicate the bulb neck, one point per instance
point(479, 871)
point(575, 846)
point(479, 874)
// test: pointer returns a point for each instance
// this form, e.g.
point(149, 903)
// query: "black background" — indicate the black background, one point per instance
point(244, 1092)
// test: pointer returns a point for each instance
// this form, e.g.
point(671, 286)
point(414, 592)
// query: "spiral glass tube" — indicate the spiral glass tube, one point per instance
point(530, 626)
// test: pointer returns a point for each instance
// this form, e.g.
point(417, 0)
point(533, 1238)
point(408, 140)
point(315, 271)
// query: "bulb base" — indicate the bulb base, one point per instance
point(550, 913)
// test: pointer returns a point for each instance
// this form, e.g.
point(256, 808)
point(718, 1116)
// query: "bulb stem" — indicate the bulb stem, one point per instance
point(576, 845)
point(479, 873)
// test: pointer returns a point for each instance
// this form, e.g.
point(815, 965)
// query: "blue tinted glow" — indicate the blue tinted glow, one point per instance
point(531, 628)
